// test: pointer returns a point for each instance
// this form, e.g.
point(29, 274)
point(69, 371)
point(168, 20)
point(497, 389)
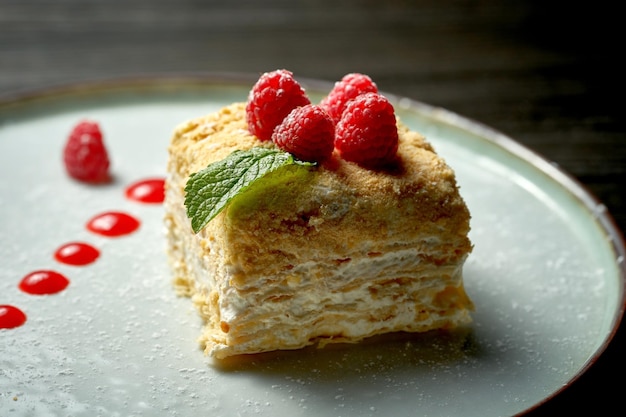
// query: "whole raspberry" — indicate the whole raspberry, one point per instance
point(307, 133)
point(274, 95)
point(367, 133)
point(85, 156)
point(350, 86)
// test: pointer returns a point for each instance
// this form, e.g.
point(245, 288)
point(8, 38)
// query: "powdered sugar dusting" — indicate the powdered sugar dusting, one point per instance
point(118, 341)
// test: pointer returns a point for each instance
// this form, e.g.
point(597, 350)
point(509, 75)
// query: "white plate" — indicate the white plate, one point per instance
point(546, 275)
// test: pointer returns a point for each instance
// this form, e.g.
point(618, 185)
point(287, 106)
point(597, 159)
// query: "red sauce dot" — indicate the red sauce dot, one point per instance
point(43, 283)
point(113, 224)
point(151, 190)
point(11, 317)
point(76, 253)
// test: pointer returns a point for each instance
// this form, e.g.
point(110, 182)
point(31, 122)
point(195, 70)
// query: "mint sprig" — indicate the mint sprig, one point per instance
point(209, 190)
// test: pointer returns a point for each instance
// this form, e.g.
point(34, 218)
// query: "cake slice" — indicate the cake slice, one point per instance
point(331, 253)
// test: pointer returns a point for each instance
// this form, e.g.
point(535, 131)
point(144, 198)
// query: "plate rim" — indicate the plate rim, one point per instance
point(598, 212)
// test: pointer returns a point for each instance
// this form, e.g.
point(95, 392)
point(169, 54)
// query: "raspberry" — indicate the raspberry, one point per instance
point(85, 156)
point(350, 86)
point(307, 133)
point(271, 99)
point(367, 133)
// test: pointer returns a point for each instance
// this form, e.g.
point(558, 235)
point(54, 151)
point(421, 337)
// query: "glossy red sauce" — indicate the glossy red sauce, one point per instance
point(43, 282)
point(76, 253)
point(113, 224)
point(151, 190)
point(11, 317)
point(110, 224)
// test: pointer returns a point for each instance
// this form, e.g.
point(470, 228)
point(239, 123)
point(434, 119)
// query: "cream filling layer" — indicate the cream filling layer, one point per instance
point(316, 298)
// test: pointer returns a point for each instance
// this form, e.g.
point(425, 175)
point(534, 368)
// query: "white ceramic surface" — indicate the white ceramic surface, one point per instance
point(546, 275)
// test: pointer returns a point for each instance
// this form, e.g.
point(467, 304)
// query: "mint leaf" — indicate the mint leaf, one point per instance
point(208, 191)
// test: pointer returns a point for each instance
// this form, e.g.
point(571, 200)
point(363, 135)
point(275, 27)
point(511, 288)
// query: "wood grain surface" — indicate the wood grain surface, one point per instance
point(548, 74)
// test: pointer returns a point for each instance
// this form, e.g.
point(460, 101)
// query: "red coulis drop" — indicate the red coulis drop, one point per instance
point(43, 282)
point(151, 190)
point(113, 224)
point(11, 317)
point(76, 253)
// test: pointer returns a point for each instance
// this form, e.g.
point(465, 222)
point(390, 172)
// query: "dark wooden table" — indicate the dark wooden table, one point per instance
point(548, 74)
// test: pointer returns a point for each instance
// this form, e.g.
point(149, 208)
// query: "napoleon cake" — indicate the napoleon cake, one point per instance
point(292, 224)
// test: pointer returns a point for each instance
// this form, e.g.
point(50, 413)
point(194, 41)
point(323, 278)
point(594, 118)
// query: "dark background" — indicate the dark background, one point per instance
point(548, 74)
